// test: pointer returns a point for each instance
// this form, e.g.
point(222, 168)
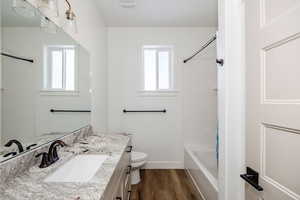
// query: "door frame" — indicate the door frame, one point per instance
point(231, 99)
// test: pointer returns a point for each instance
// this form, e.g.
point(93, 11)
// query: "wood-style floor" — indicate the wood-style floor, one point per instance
point(165, 185)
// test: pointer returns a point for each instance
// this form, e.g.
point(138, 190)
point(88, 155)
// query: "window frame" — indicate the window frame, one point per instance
point(47, 70)
point(159, 48)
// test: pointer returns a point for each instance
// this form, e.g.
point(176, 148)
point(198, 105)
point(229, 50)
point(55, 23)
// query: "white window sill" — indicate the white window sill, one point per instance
point(158, 93)
point(59, 93)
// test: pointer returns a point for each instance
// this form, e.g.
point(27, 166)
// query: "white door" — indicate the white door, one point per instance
point(273, 97)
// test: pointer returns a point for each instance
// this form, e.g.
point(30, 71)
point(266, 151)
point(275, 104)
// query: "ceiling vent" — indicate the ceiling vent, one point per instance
point(127, 3)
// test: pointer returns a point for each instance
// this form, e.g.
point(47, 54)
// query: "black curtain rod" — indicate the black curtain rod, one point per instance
point(202, 48)
point(69, 111)
point(16, 57)
point(144, 111)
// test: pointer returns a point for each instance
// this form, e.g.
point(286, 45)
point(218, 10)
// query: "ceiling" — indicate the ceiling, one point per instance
point(177, 13)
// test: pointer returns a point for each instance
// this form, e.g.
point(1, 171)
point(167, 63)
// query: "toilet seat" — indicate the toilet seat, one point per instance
point(137, 157)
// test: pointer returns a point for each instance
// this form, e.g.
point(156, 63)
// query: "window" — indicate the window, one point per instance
point(158, 68)
point(60, 68)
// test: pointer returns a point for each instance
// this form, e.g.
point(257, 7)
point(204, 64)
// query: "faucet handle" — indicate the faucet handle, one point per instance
point(30, 146)
point(10, 154)
point(45, 160)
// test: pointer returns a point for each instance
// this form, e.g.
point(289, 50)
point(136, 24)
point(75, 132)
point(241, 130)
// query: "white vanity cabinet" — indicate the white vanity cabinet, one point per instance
point(119, 187)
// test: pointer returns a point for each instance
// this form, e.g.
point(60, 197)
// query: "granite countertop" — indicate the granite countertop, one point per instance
point(31, 186)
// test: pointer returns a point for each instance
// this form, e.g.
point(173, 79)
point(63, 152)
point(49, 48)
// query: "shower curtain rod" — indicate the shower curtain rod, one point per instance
point(16, 57)
point(202, 48)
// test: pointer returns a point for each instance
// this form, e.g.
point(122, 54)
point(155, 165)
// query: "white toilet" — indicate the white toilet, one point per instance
point(138, 160)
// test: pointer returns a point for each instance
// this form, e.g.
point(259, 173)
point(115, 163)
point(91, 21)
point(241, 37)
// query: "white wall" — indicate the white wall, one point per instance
point(23, 102)
point(200, 96)
point(92, 35)
point(160, 135)
point(66, 122)
point(1, 78)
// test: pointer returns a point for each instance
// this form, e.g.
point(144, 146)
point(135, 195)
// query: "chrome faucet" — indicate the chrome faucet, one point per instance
point(52, 156)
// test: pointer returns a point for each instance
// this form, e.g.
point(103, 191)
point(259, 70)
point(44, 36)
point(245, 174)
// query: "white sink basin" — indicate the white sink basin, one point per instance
point(81, 169)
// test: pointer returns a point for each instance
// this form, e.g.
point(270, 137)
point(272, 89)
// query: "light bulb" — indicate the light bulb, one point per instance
point(70, 24)
point(21, 7)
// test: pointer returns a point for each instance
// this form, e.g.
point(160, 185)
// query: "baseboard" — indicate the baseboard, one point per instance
point(164, 165)
point(194, 183)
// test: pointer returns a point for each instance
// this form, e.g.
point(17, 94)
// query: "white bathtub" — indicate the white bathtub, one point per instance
point(201, 165)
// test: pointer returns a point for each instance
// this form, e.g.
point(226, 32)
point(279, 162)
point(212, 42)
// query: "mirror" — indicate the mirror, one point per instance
point(45, 80)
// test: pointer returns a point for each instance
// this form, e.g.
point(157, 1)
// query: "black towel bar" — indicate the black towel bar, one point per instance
point(17, 57)
point(70, 111)
point(144, 111)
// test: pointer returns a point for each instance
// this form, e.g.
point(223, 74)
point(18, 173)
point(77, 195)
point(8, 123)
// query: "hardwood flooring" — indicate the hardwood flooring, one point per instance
point(165, 185)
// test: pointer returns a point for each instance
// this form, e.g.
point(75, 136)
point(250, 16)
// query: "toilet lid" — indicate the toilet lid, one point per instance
point(138, 156)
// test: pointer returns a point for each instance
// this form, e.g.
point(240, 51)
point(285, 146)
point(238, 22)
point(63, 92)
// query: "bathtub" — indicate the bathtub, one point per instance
point(201, 165)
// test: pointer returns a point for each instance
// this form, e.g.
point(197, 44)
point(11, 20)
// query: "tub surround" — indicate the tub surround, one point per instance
point(22, 179)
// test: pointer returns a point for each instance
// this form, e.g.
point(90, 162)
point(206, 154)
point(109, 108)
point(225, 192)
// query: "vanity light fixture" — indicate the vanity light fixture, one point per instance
point(23, 8)
point(70, 23)
point(48, 7)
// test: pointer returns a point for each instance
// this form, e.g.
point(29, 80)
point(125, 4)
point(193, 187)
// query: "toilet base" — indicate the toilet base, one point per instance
point(135, 176)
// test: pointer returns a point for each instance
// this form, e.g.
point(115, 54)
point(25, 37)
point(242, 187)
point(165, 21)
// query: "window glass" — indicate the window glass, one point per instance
point(150, 69)
point(57, 70)
point(70, 69)
point(60, 68)
point(157, 68)
point(164, 70)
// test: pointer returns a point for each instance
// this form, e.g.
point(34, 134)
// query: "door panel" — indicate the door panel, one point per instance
point(273, 97)
point(281, 73)
point(274, 8)
point(279, 163)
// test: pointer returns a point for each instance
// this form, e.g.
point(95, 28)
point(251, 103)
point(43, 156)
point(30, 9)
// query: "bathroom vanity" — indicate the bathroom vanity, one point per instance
point(64, 179)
